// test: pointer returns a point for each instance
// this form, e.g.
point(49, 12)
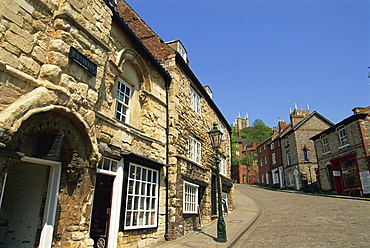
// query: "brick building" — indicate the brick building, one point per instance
point(343, 152)
point(288, 159)
point(246, 169)
point(192, 113)
point(95, 139)
point(271, 170)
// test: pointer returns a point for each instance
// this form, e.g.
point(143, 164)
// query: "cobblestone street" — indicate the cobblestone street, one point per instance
point(300, 220)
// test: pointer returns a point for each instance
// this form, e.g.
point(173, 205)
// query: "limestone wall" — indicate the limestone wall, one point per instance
point(38, 76)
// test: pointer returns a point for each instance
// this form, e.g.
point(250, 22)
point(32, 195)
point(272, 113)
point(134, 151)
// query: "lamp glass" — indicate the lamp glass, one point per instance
point(215, 136)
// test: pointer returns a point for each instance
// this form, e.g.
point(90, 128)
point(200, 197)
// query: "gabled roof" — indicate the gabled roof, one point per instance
point(346, 121)
point(305, 120)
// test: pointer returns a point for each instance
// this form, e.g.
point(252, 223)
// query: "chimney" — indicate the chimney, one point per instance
point(358, 110)
point(298, 115)
point(179, 47)
point(208, 90)
point(282, 125)
point(275, 130)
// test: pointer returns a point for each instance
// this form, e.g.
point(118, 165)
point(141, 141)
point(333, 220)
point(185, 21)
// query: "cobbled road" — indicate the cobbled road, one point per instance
point(300, 220)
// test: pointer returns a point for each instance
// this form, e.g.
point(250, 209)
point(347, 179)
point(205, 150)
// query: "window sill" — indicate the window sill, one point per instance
point(325, 153)
point(341, 147)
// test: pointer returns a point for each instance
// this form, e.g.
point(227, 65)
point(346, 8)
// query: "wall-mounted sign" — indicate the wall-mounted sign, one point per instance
point(82, 60)
point(336, 173)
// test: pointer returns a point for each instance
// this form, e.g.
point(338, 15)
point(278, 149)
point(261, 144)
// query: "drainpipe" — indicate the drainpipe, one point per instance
point(167, 159)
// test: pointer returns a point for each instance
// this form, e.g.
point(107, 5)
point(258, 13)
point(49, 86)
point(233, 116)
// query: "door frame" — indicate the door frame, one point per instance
point(48, 221)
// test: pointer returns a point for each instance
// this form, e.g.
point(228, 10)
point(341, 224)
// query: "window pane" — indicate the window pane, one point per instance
point(132, 171)
point(136, 203)
point(114, 166)
point(142, 203)
point(154, 177)
point(137, 188)
point(138, 173)
point(149, 176)
point(141, 197)
point(144, 175)
point(106, 164)
point(129, 202)
point(130, 187)
point(128, 218)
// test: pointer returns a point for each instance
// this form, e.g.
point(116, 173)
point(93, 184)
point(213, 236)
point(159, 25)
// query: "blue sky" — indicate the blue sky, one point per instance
point(262, 57)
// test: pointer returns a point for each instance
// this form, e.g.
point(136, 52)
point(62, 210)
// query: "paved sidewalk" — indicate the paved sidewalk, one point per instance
point(237, 223)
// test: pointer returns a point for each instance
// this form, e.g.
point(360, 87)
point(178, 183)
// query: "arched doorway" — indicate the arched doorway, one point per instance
point(48, 151)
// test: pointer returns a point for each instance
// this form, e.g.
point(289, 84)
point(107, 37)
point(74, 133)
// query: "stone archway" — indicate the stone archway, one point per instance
point(73, 179)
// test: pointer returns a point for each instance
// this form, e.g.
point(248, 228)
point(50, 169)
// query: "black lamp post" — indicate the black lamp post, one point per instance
point(216, 138)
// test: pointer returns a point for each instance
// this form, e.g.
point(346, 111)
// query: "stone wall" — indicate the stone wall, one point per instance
point(40, 84)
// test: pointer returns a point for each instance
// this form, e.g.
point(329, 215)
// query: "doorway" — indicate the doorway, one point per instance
point(101, 210)
point(28, 203)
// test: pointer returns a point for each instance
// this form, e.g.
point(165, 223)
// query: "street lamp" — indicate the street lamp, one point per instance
point(216, 138)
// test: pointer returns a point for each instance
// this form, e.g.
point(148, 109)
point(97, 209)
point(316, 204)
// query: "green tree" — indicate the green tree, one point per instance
point(257, 133)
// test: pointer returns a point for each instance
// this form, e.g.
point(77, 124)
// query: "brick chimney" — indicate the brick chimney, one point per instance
point(281, 125)
point(275, 130)
point(358, 110)
point(298, 115)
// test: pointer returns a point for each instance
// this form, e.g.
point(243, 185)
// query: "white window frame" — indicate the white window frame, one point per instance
point(343, 138)
point(123, 100)
point(142, 198)
point(190, 198)
point(222, 166)
point(275, 176)
point(265, 159)
point(273, 158)
point(261, 163)
point(267, 178)
point(114, 168)
point(325, 144)
point(195, 150)
point(288, 159)
point(195, 100)
point(272, 146)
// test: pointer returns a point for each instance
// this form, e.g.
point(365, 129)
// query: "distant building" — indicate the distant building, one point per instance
point(270, 164)
point(296, 166)
point(241, 123)
point(343, 155)
point(245, 170)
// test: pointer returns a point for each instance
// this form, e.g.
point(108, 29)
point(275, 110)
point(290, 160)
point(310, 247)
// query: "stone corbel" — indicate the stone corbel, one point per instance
point(5, 137)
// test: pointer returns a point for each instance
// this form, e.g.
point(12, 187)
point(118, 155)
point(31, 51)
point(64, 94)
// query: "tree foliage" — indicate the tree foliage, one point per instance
point(257, 133)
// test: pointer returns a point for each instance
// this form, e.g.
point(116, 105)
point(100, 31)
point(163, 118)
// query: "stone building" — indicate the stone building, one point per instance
point(343, 153)
point(191, 192)
point(297, 150)
point(97, 145)
point(83, 128)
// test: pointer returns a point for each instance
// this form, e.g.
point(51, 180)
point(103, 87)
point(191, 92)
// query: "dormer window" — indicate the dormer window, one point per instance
point(178, 47)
